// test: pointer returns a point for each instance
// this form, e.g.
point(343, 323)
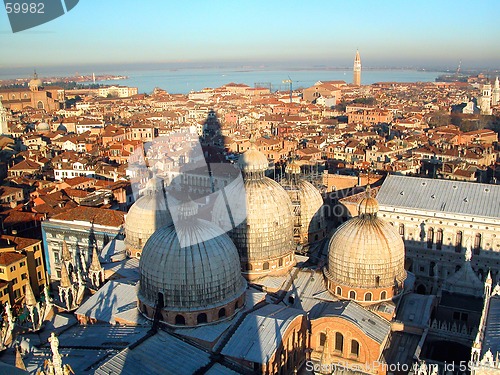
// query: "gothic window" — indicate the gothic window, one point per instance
point(265, 266)
point(39, 105)
point(383, 295)
point(352, 294)
point(368, 296)
point(339, 291)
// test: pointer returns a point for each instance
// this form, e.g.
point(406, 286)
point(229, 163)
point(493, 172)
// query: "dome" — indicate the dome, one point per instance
point(35, 83)
point(312, 225)
point(191, 279)
point(366, 255)
point(62, 128)
point(42, 127)
point(146, 215)
point(253, 160)
point(265, 239)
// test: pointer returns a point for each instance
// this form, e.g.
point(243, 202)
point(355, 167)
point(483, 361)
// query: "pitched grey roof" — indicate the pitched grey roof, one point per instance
point(446, 196)
point(370, 323)
point(112, 299)
point(492, 331)
point(260, 333)
point(161, 354)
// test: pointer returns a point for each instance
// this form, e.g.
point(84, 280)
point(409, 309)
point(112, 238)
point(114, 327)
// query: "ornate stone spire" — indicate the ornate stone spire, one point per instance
point(95, 265)
point(66, 255)
point(19, 360)
point(30, 296)
point(65, 281)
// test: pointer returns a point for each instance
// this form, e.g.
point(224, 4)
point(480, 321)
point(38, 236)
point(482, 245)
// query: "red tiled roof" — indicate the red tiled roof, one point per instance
point(10, 257)
point(94, 215)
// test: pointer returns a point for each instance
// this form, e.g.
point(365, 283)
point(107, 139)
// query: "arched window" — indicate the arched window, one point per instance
point(368, 296)
point(339, 342)
point(249, 267)
point(477, 244)
point(338, 291)
point(322, 339)
point(39, 105)
point(458, 242)
point(180, 320)
point(352, 294)
point(354, 348)
point(439, 239)
point(401, 230)
point(430, 237)
point(280, 262)
point(222, 313)
point(236, 305)
point(383, 295)
point(201, 318)
point(377, 281)
point(265, 266)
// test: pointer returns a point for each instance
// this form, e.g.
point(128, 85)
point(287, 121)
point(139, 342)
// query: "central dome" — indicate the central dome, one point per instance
point(200, 283)
point(366, 257)
point(265, 239)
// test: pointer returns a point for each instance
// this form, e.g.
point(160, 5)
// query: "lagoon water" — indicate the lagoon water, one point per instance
point(183, 81)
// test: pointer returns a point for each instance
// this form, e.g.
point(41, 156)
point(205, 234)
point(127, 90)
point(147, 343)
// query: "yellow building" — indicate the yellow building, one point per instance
point(14, 271)
point(21, 259)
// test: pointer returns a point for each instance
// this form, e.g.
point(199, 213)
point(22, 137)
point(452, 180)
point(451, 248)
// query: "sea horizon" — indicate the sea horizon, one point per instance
point(185, 79)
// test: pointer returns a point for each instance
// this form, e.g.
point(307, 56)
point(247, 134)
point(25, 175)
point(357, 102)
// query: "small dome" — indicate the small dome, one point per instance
point(312, 219)
point(198, 277)
point(368, 206)
point(367, 253)
point(35, 82)
point(147, 214)
point(42, 127)
point(62, 128)
point(253, 160)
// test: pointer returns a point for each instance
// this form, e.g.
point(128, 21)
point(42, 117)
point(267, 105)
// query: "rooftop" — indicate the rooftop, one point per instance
point(454, 197)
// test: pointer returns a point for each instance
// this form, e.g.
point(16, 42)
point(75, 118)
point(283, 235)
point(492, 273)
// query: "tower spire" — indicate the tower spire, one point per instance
point(356, 79)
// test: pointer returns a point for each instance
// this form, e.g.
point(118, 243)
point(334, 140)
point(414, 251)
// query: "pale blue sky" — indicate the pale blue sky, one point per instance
point(387, 33)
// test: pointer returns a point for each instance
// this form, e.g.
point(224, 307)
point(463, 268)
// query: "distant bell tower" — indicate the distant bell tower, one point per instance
point(356, 79)
point(4, 128)
point(495, 95)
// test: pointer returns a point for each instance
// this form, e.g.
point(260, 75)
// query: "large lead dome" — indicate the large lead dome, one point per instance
point(146, 215)
point(366, 257)
point(198, 283)
point(265, 239)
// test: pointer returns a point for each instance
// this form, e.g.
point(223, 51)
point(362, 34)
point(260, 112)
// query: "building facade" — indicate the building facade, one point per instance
point(438, 221)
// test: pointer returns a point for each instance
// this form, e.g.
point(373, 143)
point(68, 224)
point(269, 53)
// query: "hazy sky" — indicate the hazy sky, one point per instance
point(387, 33)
